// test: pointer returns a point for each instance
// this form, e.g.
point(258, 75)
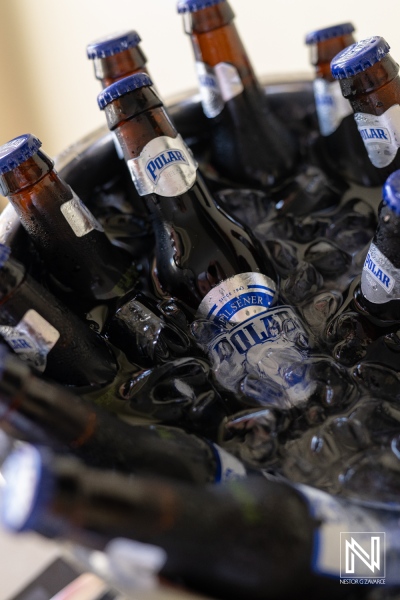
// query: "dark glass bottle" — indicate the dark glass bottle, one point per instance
point(254, 538)
point(204, 258)
point(344, 151)
point(380, 279)
point(116, 56)
point(369, 79)
point(46, 333)
point(40, 412)
point(248, 143)
point(76, 251)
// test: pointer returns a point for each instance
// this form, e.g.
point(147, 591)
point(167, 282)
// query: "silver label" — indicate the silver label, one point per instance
point(381, 135)
point(229, 466)
point(229, 82)
point(380, 280)
point(332, 108)
point(238, 298)
point(32, 338)
point(79, 217)
point(209, 90)
point(165, 167)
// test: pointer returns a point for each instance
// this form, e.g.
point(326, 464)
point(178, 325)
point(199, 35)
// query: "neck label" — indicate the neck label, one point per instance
point(217, 86)
point(32, 338)
point(79, 217)
point(332, 108)
point(165, 167)
point(380, 280)
point(381, 135)
point(238, 298)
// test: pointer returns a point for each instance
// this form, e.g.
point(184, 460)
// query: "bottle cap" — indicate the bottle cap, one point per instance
point(320, 35)
point(195, 5)
point(29, 486)
point(359, 57)
point(122, 87)
point(391, 192)
point(17, 151)
point(113, 44)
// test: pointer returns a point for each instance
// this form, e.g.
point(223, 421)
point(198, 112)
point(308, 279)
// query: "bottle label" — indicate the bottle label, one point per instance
point(238, 298)
point(209, 90)
point(228, 466)
point(32, 338)
point(381, 135)
point(79, 217)
point(217, 85)
point(379, 279)
point(331, 107)
point(165, 167)
point(342, 521)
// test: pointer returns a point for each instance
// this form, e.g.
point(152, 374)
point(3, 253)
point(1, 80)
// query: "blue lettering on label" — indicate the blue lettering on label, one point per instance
point(156, 165)
point(324, 101)
point(252, 333)
point(384, 279)
point(208, 81)
point(373, 133)
point(20, 344)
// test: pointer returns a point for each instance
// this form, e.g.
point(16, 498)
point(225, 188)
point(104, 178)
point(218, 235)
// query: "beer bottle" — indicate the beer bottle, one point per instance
point(72, 243)
point(204, 258)
point(116, 56)
point(254, 538)
point(40, 412)
point(344, 151)
point(380, 279)
point(248, 143)
point(43, 331)
point(369, 78)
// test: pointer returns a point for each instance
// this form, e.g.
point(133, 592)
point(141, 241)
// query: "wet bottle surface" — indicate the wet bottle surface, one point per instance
point(72, 243)
point(344, 151)
point(116, 56)
point(43, 331)
point(40, 412)
point(255, 538)
point(380, 279)
point(203, 256)
point(369, 79)
point(248, 143)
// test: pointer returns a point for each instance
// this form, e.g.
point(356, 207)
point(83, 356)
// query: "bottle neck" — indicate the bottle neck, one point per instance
point(112, 68)
point(215, 40)
point(323, 52)
point(138, 118)
point(375, 90)
point(26, 174)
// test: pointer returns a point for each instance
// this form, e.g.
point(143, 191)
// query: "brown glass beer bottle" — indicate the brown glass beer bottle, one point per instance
point(248, 143)
point(44, 332)
point(116, 56)
point(344, 151)
point(369, 79)
point(72, 243)
point(41, 412)
point(204, 258)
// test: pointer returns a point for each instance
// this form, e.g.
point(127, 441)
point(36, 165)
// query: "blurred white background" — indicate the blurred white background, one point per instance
point(48, 88)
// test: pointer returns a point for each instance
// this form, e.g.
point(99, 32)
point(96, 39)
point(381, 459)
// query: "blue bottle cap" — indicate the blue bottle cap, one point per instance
point(391, 192)
point(194, 5)
point(5, 252)
point(29, 487)
point(122, 87)
point(113, 44)
point(17, 151)
point(359, 57)
point(320, 35)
